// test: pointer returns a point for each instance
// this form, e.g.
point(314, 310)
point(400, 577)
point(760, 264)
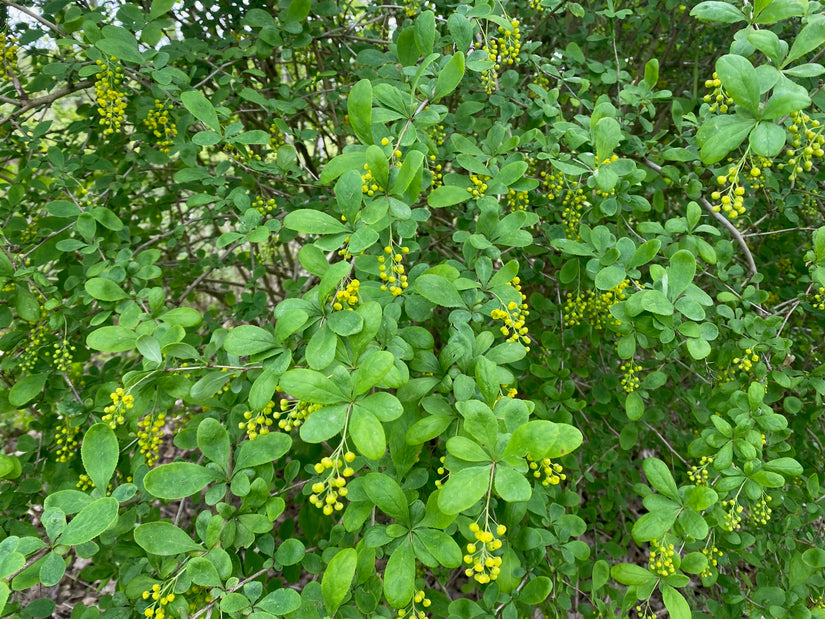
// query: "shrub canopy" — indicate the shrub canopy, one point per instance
point(318, 309)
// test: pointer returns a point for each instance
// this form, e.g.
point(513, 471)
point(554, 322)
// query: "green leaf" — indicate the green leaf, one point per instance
point(438, 290)
point(814, 557)
point(337, 579)
point(265, 448)
point(120, 43)
point(721, 134)
point(247, 340)
point(280, 602)
point(213, 441)
point(149, 347)
point(693, 524)
point(159, 7)
point(324, 423)
point(383, 405)
point(178, 480)
point(104, 289)
point(787, 97)
point(310, 221)
point(811, 37)
point(26, 389)
point(700, 498)
point(698, 348)
point(67, 501)
point(399, 575)
point(511, 485)
point(676, 604)
point(201, 108)
point(634, 406)
point(464, 489)
point(536, 591)
point(388, 496)
point(371, 370)
point(447, 195)
point(90, 522)
point(111, 339)
point(465, 449)
point(440, 545)
point(654, 524)
point(311, 386)
point(785, 466)
point(52, 569)
point(99, 453)
point(631, 574)
point(655, 302)
point(740, 80)
point(717, 11)
point(320, 350)
point(359, 108)
point(607, 133)
point(681, 272)
point(659, 477)
point(367, 433)
point(411, 166)
point(425, 32)
point(256, 136)
point(164, 539)
point(202, 571)
point(450, 76)
point(543, 439)
point(767, 139)
point(610, 277)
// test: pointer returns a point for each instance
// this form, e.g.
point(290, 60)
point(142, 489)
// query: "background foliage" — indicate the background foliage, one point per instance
point(329, 308)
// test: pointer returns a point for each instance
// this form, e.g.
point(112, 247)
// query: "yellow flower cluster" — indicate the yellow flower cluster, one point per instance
point(438, 173)
point(115, 413)
point(328, 492)
point(808, 143)
point(264, 207)
point(760, 513)
point(197, 597)
point(593, 308)
point(484, 565)
point(699, 474)
point(412, 612)
point(551, 473)
point(517, 200)
point(157, 122)
point(62, 356)
point(571, 196)
point(296, 413)
point(505, 49)
point(661, 558)
point(630, 378)
point(8, 57)
point(84, 482)
point(514, 315)
point(732, 520)
point(717, 97)
point(369, 185)
point(258, 423)
point(745, 363)
point(819, 299)
point(66, 440)
point(346, 298)
point(110, 98)
point(479, 182)
point(150, 437)
point(442, 472)
point(393, 278)
point(643, 611)
point(713, 554)
point(161, 597)
point(276, 137)
point(437, 135)
point(38, 334)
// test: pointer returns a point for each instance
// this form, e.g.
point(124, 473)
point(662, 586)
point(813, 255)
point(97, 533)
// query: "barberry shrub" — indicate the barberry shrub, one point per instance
point(330, 309)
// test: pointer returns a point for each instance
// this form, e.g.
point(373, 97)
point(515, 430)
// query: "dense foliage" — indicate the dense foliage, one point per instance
point(318, 309)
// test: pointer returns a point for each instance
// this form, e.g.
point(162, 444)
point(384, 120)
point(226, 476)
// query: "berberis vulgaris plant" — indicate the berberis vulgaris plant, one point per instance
point(461, 310)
